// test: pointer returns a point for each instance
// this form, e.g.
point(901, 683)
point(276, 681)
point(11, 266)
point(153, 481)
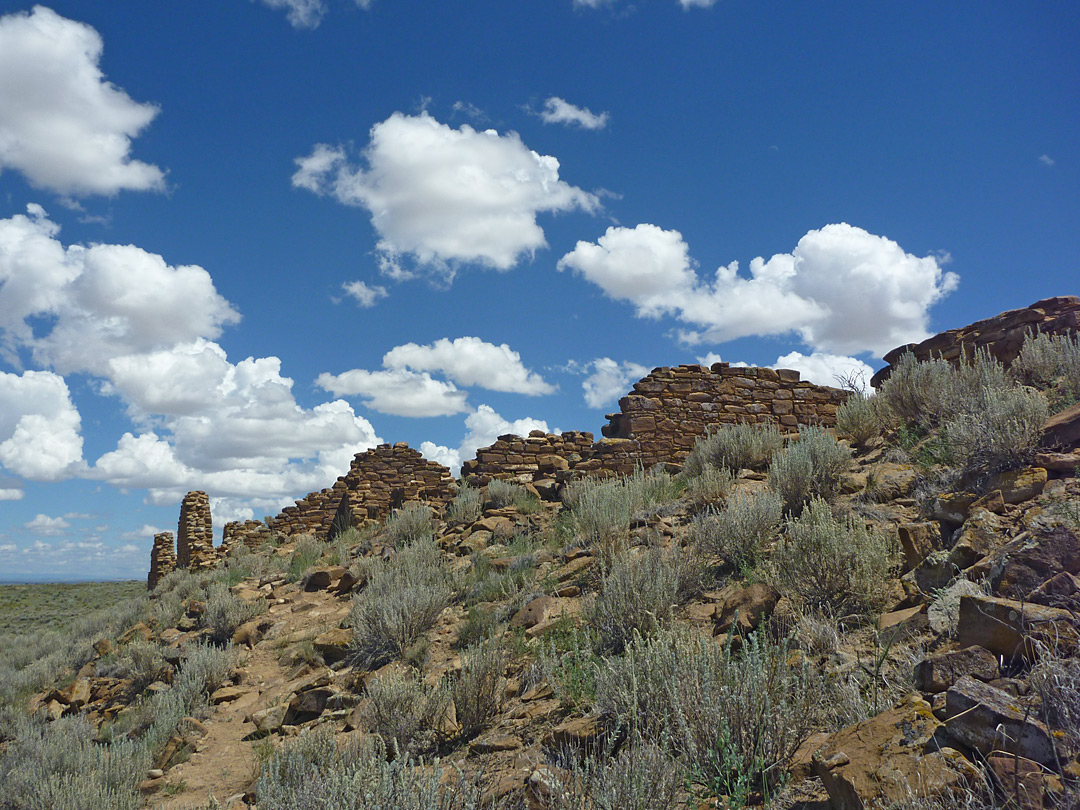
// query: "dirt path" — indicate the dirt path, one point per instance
point(224, 765)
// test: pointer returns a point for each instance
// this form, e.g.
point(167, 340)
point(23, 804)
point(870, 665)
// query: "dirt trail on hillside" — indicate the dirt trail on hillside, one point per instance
point(224, 765)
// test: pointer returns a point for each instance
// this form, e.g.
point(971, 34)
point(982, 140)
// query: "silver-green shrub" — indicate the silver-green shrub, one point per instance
point(412, 523)
point(711, 486)
point(310, 772)
point(739, 531)
point(859, 419)
point(637, 596)
point(405, 712)
point(140, 661)
point(726, 714)
point(999, 430)
point(735, 447)
point(1051, 363)
point(811, 467)
point(510, 493)
point(822, 561)
point(601, 510)
point(402, 599)
point(477, 690)
point(307, 551)
point(225, 612)
point(641, 776)
point(467, 505)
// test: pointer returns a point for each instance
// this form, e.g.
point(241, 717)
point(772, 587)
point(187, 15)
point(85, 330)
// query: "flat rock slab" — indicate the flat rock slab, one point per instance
point(1010, 628)
point(936, 673)
point(891, 757)
point(987, 719)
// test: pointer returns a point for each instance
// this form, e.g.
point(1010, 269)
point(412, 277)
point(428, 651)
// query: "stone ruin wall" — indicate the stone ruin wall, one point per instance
point(659, 421)
point(1002, 335)
point(162, 558)
point(195, 534)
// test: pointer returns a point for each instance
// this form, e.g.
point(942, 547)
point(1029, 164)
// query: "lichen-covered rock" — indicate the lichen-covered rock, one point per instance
point(987, 719)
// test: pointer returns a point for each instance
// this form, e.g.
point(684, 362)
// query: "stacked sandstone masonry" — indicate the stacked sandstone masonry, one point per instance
point(162, 558)
point(250, 533)
point(378, 481)
point(660, 420)
point(1002, 336)
point(195, 537)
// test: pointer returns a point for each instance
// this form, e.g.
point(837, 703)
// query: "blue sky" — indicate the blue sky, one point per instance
point(242, 240)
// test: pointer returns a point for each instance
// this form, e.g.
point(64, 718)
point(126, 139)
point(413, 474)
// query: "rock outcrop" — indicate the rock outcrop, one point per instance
point(1002, 336)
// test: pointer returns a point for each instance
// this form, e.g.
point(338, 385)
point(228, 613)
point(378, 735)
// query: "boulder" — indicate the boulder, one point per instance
point(937, 672)
point(986, 720)
point(981, 533)
point(1024, 782)
point(744, 607)
point(1062, 430)
point(1011, 628)
point(1061, 590)
point(1029, 560)
point(333, 645)
point(891, 757)
point(1018, 486)
point(917, 541)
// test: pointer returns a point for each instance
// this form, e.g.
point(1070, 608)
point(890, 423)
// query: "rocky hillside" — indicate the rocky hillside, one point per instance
point(879, 614)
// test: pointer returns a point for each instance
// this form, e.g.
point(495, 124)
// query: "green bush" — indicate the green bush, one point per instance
point(403, 598)
point(58, 766)
point(823, 561)
point(225, 612)
point(601, 511)
point(740, 530)
point(309, 772)
point(467, 505)
point(477, 690)
point(641, 776)
point(638, 595)
point(1000, 430)
point(143, 662)
point(405, 712)
point(412, 523)
point(735, 447)
point(859, 419)
point(1051, 363)
point(502, 493)
point(734, 718)
point(810, 468)
point(306, 552)
point(711, 486)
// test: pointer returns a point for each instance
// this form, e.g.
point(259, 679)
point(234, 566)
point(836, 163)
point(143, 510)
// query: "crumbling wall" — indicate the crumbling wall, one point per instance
point(162, 558)
point(659, 421)
point(1002, 335)
point(378, 481)
point(195, 535)
point(535, 455)
point(250, 533)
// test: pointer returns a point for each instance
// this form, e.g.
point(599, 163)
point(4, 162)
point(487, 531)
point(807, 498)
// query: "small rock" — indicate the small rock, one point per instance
point(1007, 627)
point(577, 732)
point(1024, 782)
point(936, 673)
point(333, 645)
point(745, 607)
point(490, 743)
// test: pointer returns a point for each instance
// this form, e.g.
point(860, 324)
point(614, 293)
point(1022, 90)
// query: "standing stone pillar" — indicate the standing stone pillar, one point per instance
point(195, 538)
point(162, 559)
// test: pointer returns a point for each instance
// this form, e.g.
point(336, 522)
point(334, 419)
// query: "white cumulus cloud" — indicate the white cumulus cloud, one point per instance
point(365, 296)
point(821, 368)
point(608, 380)
point(105, 300)
point(482, 427)
point(11, 494)
point(470, 361)
point(63, 125)
point(558, 111)
point(39, 427)
point(399, 392)
point(47, 526)
point(842, 289)
point(442, 196)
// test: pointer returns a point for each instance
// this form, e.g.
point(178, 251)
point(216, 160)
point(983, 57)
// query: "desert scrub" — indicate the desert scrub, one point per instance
point(822, 561)
point(569, 663)
point(403, 598)
point(1055, 678)
point(489, 585)
point(859, 419)
point(641, 776)
point(58, 766)
point(405, 712)
point(711, 486)
point(600, 511)
point(142, 662)
point(306, 552)
point(310, 772)
point(467, 505)
point(1052, 364)
point(477, 690)
point(412, 523)
point(811, 467)
point(509, 493)
point(638, 595)
point(999, 429)
point(740, 531)
point(731, 716)
point(225, 612)
point(735, 447)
